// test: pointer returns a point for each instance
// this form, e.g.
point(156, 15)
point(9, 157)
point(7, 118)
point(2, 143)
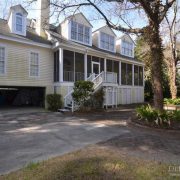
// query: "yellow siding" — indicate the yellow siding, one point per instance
point(17, 65)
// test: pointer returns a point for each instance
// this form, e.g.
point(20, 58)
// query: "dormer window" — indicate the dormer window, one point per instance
point(127, 48)
point(107, 42)
point(80, 33)
point(19, 22)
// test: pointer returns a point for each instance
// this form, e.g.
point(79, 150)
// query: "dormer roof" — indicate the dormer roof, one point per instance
point(105, 27)
point(76, 15)
point(128, 36)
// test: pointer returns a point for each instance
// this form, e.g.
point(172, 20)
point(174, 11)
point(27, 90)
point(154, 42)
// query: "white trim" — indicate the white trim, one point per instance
point(85, 66)
point(133, 74)
point(61, 59)
point(5, 59)
point(120, 73)
point(37, 52)
point(24, 41)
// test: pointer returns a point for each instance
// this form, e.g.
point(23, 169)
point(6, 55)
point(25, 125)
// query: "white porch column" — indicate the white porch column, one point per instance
point(105, 68)
point(143, 77)
point(61, 64)
point(133, 74)
point(85, 66)
point(120, 73)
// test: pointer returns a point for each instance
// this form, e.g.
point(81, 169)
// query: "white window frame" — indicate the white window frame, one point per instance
point(5, 59)
point(123, 46)
point(35, 52)
point(83, 33)
point(107, 38)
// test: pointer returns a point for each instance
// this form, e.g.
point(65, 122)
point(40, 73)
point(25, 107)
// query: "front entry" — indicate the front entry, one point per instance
point(95, 68)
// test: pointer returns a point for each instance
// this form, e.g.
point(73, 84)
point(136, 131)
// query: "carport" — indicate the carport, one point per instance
point(22, 96)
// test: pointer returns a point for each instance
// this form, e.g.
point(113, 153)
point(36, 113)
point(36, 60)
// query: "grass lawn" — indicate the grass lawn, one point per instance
point(94, 162)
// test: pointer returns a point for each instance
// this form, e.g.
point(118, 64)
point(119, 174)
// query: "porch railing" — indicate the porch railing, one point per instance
point(69, 76)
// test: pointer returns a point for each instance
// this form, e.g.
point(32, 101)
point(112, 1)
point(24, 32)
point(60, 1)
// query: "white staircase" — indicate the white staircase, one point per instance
point(98, 83)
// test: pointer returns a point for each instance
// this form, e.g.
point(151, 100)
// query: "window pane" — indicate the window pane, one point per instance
point(140, 76)
point(73, 30)
point(68, 65)
point(129, 74)
point(87, 35)
point(80, 32)
point(79, 66)
point(123, 73)
point(127, 48)
point(2, 69)
point(34, 64)
point(19, 23)
point(136, 75)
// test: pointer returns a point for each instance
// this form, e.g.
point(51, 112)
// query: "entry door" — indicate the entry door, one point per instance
point(96, 68)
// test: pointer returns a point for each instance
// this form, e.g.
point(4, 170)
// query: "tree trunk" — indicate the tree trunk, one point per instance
point(172, 77)
point(156, 59)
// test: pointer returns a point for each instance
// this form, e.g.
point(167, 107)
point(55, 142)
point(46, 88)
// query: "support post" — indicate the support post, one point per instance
point(85, 66)
point(61, 64)
point(133, 74)
point(120, 73)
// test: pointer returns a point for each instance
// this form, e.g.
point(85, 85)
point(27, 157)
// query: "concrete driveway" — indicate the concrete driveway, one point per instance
point(33, 136)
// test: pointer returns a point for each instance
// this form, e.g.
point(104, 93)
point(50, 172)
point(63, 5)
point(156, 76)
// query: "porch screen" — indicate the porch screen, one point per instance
point(79, 66)
point(68, 66)
point(126, 74)
point(73, 66)
point(113, 66)
point(138, 75)
point(56, 66)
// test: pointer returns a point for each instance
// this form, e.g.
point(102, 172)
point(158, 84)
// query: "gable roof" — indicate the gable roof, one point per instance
point(127, 36)
point(99, 29)
point(18, 6)
point(74, 15)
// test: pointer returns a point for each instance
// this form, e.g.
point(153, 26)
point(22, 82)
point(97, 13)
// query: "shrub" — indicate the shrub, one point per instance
point(169, 101)
point(54, 101)
point(175, 115)
point(98, 98)
point(147, 113)
point(152, 115)
point(82, 91)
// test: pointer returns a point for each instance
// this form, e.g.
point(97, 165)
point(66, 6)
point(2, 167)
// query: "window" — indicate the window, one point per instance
point(106, 42)
point(34, 64)
point(138, 75)
point(126, 74)
point(19, 22)
point(2, 60)
point(127, 48)
point(80, 33)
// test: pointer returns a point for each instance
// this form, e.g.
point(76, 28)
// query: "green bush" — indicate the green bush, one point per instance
point(152, 115)
point(169, 101)
point(54, 101)
point(82, 91)
point(175, 115)
point(98, 98)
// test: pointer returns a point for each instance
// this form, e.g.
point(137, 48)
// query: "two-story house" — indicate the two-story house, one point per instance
point(37, 58)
